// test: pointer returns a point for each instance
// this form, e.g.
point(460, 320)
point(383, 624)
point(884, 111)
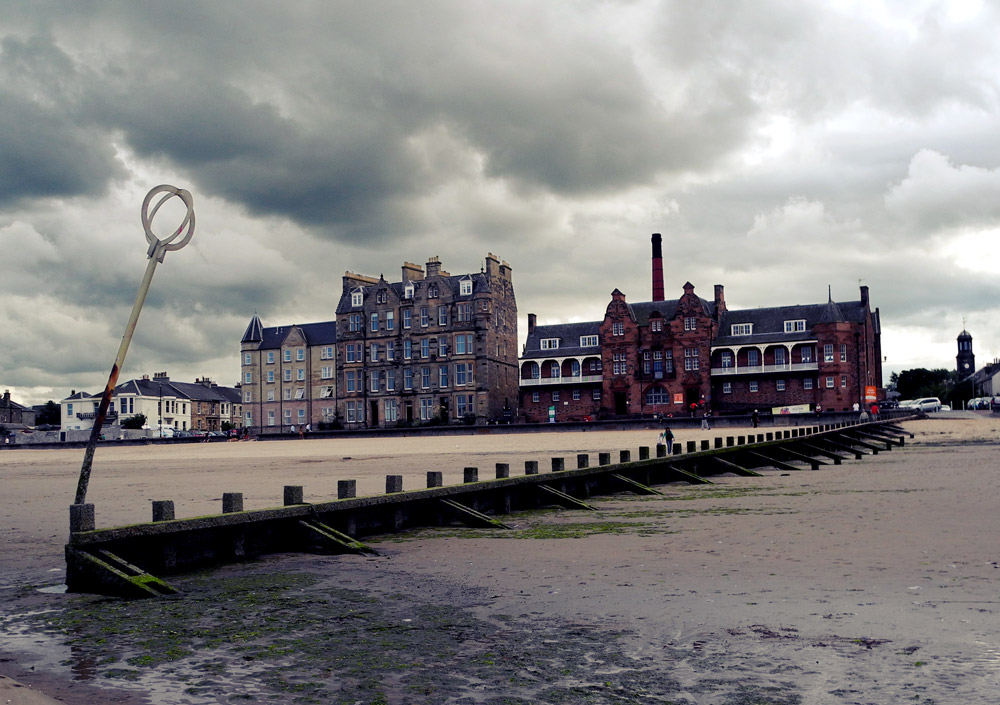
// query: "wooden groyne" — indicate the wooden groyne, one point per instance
point(129, 560)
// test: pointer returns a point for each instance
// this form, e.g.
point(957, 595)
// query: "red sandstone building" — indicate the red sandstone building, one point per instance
point(669, 357)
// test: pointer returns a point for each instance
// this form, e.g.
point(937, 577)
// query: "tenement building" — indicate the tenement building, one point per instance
point(431, 348)
point(693, 355)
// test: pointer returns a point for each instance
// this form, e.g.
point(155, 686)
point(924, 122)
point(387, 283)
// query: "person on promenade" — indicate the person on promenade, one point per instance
point(704, 420)
point(755, 418)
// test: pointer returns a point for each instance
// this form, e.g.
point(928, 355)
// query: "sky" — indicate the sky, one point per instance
point(781, 147)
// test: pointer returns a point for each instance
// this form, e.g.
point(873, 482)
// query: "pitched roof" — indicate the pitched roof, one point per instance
point(480, 284)
point(322, 333)
point(254, 332)
point(568, 334)
point(769, 323)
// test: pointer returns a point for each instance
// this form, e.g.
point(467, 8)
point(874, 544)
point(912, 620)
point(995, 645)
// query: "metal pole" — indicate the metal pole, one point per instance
point(157, 251)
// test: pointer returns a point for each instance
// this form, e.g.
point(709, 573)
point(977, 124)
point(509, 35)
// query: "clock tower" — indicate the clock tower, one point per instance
point(965, 359)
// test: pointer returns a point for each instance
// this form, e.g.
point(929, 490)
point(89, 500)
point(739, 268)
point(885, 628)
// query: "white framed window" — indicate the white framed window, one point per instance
point(829, 383)
point(286, 355)
point(391, 410)
point(691, 359)
point(779, 356)
point(535, 396)
point(464, 312)
point(408, 291)
point(270, 376)
point(807, 353)
point(288, 375)
point(617, 328)
point(796, 326)
point(407, 349)
point(727, 387)
point(390, 320)
point(576, 395)
point(373, 382)
point(270, 395)
point(843, 352)
point(465, 287)
point(407, 378)
point(807, 383)
point(326, 352)
point(300, 354)
point(350, 381)
point(753, 358)
point(742, 329)
point(726, 358)
point(247, 396)
point(443, 376)
point(442, 315)
point(554, 369)
point(779, 385)
point(588, 341)
point(426, 409)
point(270, 357)
point(690, 323)
point(843, 381)
point(407, 318)
point(300, 393)
point(549, 343)
point(248, 378)
point(754, 386)
point(373, 321)
point(373, 352)
point(287, 395)
point(357, 297)
point(300, 374)
point(288, 416)
point(247, 359)
point(354, 322)
point(326, 372)
point(828, 352)
point(390, 380)
point(425, 377)
point(425, 319)
point(326, 392)
point(596, 394)
point(425, 348)
point(656, 325)
point(270, 418)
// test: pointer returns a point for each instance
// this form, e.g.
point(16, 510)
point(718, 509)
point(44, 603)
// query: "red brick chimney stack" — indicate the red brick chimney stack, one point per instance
point(657, 268)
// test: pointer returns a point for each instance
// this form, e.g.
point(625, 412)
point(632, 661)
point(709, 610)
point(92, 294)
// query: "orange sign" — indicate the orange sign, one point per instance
point(678, 399)
point(870, 394)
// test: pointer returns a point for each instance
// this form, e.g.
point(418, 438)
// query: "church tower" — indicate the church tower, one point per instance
point(965, 360)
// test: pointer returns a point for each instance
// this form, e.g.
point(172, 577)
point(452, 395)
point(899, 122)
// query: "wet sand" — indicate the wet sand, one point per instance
point(874, 581)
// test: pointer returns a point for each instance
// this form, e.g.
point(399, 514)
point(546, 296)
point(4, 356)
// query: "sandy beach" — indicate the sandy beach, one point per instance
point(871, 582)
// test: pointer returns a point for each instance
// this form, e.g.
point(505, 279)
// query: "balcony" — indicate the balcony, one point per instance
point(551, 381)
point(765, 369)
point(93, 415)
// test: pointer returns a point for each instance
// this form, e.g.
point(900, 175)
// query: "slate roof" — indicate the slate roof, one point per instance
point(480, 284)
point(569, 340)
point(254, 332)
point(322, 333)
point(769, 323)
point(668, 309)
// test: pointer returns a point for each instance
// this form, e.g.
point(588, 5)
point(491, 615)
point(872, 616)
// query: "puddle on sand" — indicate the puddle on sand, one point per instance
point(53, 589)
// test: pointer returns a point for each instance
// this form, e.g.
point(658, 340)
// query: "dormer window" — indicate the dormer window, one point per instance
point(408, 291)
point(465, 287)
point(357, 297)
point(588, 341)
point(795, 326)
point(742, 329)
point(432, 291)
point(549, 343)
point(381, 296)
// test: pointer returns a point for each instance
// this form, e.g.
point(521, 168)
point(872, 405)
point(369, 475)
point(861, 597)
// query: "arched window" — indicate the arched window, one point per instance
point(657, 395)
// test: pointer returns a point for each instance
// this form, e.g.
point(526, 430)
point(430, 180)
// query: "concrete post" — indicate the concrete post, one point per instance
point(530, 467)
point(677, 448)
point(435, 478)
point(503, 471)
point(393, 483)
point(582, 460)
point(705, 444)
point(293, 495)
point(347, 489)
point(624, 456)
point(604, 458)
point(692, 446)
point(718, 442)
point(81, 517)
point(470, 475)
point(163, 510)
point(769, 436)
point(741, 440)
point(730, 441)
point(232, 502)
point(661, 450)
point(643, 452)
point(558, 464)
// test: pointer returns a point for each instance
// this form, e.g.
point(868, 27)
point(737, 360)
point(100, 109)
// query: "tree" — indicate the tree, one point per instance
point(921, 382)
point(50, 414)
point(136, 421)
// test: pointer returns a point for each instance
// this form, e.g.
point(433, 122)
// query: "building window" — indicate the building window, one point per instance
point(555, 395)
point(248, 378)
point(574, 368)
point(829, 382)
point(350, 383)
point(588, 341)
point(691, 359)
point(843, 352)
point(726, 359)
point(407, 349)
point(740, 328)
point(549, 343)
point(656, 325)
point(535, 397)
point(576, 395)
point(753, 358)
point(390, 380)
point(407, 318)
point(247, 359)
point(354, 322)
point(408, 291)
point(300, 374)
point(247, 396)
point(326, 392)
point(287, 355)
point(807, 383)
point(270, 357)
point(373, 382)
point(464, 312)
point(373, 352)
point(657, 395)
point(287, 395)
point(596, 394)
point(300, 393)
point(326, 372)
point(425, 377)
point(828, 352)
point(407, 378)
point(843, 381)
point(270, 418)
point(391, 411)
point(390, 320)
point(426, 409)
point(779, 356)
point(779, 385)
point(795, 326)
point(442, 315)
point(465, 287)
point(357, 297)
point(288, 375)
point(807, 353)
point(432, 291)
point(443, 376)
point(554, 369)
point(460, 374)
point(754, 386)
point(326, 353)
point(374, 322)
point(727, 387)
point(425, 348)
point(425, 319)
point(288, 417)
point(300, 354)
point(270, 376)
point(617, 328)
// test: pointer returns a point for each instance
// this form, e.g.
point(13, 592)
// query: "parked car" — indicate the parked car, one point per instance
point(928, 404)
point(945, 407)
point(889, 404)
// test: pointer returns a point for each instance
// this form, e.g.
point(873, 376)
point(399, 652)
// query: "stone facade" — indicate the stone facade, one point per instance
point(430, 348)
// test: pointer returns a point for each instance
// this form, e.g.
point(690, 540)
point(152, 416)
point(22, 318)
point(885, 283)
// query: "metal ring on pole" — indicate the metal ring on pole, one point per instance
point(158, 248)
